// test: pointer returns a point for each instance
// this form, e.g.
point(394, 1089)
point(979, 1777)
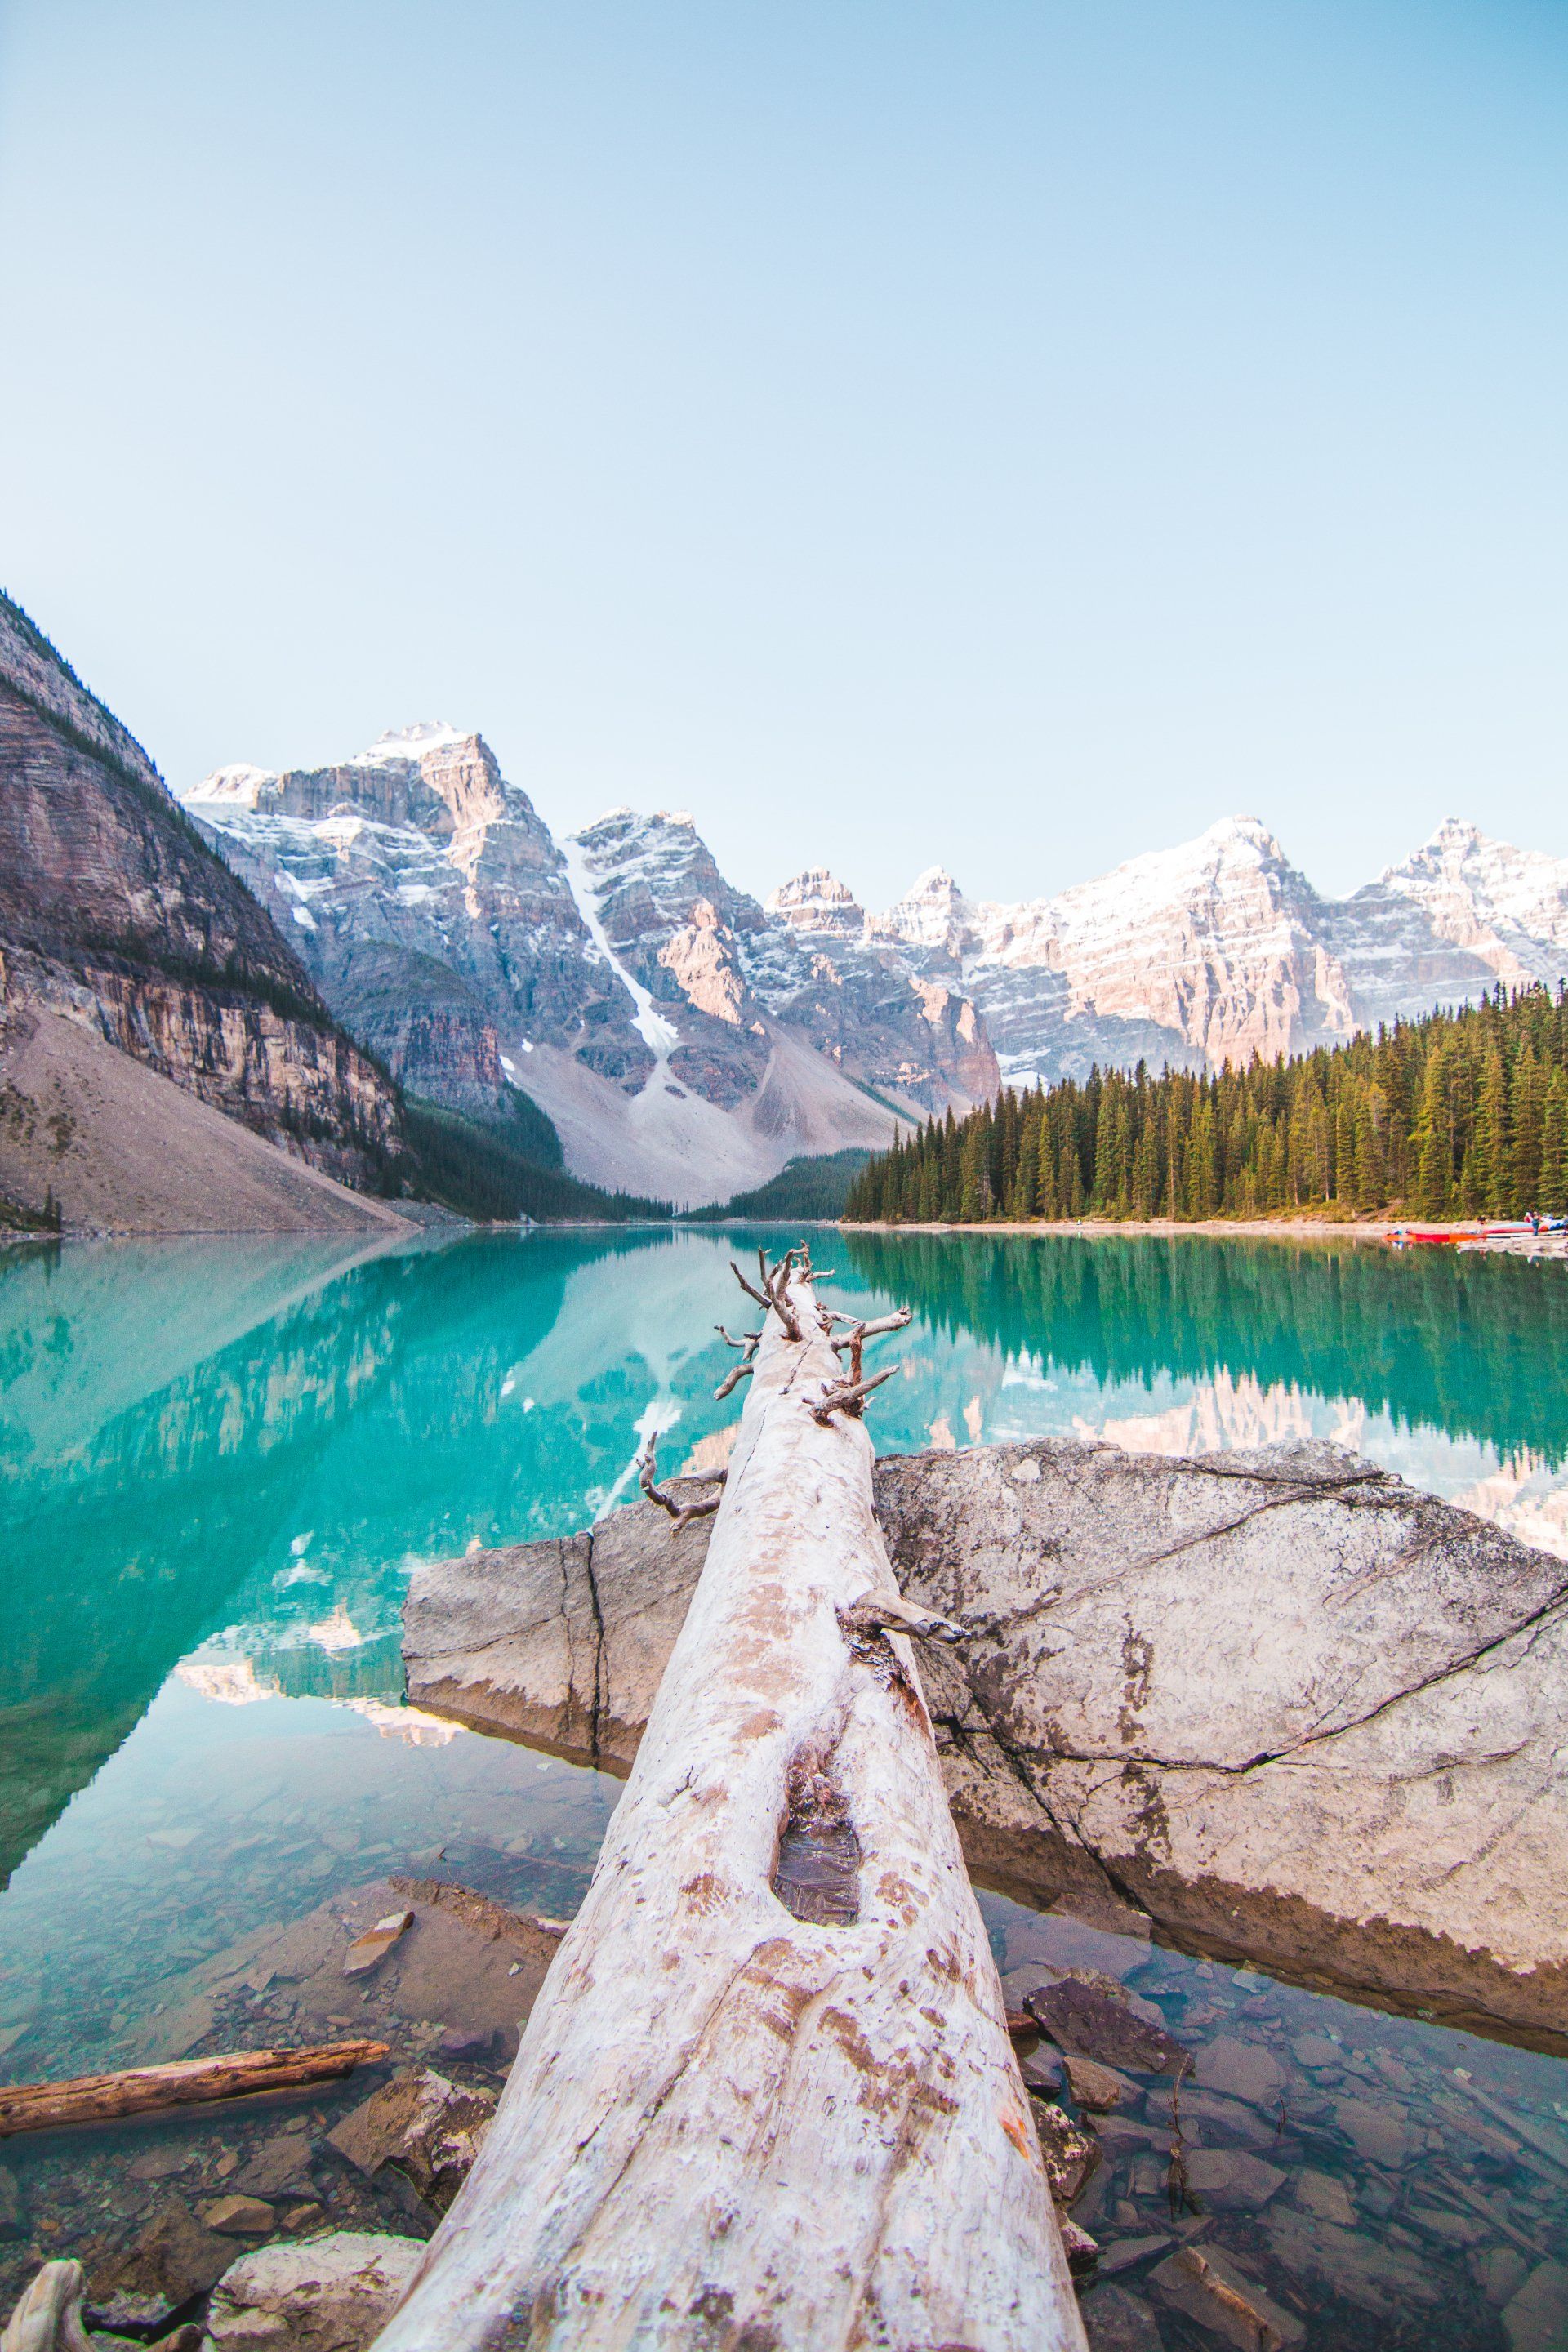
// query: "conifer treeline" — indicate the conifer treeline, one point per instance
point(1458, 1114)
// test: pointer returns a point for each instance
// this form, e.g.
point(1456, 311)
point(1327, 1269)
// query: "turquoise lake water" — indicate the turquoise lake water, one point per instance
point(221, 1458)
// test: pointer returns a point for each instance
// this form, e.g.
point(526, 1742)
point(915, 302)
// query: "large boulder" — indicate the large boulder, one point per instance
point(1277, 1703)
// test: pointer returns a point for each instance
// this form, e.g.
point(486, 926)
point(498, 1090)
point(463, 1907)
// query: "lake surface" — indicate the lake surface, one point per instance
point(222, 1457)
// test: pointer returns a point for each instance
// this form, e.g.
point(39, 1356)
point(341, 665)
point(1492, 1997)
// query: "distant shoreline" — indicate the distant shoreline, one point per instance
point(1305, 1228)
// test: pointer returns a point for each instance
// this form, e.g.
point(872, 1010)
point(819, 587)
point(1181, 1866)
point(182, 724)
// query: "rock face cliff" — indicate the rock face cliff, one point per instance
point(116, 914)
point(684, 1039)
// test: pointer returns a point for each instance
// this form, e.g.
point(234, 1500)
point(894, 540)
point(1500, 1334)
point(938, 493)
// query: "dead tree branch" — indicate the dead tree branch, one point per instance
point(899, 1321)
point(733, 1378)
point(647, 1473)
point(887, 1614)
point(848, 1396)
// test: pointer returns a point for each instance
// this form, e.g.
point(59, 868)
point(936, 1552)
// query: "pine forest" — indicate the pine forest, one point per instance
point(1461, 1114)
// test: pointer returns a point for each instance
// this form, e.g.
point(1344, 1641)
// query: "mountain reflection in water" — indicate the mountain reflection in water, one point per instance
point(243, 1443)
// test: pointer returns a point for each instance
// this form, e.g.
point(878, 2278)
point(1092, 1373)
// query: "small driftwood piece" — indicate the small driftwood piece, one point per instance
point(49, 2317)
point(648, 1475)
point(187, 2081)
point(766, 2096)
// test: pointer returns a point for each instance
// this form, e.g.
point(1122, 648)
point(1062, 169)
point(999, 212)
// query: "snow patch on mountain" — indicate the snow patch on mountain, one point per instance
point(660, 1036)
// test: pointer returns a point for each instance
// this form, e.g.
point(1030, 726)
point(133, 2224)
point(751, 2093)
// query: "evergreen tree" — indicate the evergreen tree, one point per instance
point(1461, 1111)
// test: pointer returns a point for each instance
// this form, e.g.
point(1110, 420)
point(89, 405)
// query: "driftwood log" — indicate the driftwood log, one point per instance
point(766, 2097)
point(187, 2081)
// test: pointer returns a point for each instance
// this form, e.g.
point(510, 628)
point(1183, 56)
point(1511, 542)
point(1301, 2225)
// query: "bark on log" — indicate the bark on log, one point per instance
point(767, 2098)
point(140, 2089)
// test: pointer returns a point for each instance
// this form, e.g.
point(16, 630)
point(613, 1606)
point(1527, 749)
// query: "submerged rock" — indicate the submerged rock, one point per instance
point(1210, 2287)
point(1115, 2321)
point(1078, 2017)
point(1278, 1702)
point(174, 2257)
point(334, 2295)
point(428, 2128)
point(1070, 2155)
point(240, 2216)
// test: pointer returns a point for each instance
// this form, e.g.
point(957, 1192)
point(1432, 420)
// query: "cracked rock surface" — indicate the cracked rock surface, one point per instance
point(1291, 1709)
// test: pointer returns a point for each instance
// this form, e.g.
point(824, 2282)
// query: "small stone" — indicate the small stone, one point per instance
point(1229, 2117)
point(302, 2217)
point(465, 2047)
point(1245, 2070)
point(428, 2128)
point(240, 2216)
point(1095, 2086)
point(277, 2165)
point(1083, 2019)
point(1206, 2286)
point(226, 2164)
point(1230, 2180)
point(1397, 2077)
point(1321, 2193)
point(1380, 2133)
point(1448, 2228)
point(368, 1952)
point(137, 2316)
point(1115, 2321)
point(1501, 2271)
point(1316, 2049)
point(174, 2256)
point(1536, 2318)
point(13, 2206)
point(1126, 2254)
point(159, 2163)
point(1082, 2251)
point(1043, 2071)
point(334, 2293)
point(1071, 2154)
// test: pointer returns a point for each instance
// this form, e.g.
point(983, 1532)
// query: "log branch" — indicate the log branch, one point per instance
point(898, 1320)
point(140, 2090)
point(847, 1396)
point(890, 1613)
point(750, 1288)
point(732, 1380)
point(647, 1473)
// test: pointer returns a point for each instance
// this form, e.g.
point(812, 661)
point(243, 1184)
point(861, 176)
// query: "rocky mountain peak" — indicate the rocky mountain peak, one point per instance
point(814, 901)
point(933, 915)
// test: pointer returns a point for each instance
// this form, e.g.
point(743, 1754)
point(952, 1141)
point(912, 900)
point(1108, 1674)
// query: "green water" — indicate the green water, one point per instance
point(221, 1458)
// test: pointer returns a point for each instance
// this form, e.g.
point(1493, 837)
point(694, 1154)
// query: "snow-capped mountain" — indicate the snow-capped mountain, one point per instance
point(687, 1040)
point(684, 1041)
point(1221, 948)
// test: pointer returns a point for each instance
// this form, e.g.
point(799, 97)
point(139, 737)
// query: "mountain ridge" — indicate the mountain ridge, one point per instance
point(689, 1039)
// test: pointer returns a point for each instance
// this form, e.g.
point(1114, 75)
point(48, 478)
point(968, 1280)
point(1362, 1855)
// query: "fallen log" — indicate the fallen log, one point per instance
point(766, 2095)
point(187, 2081)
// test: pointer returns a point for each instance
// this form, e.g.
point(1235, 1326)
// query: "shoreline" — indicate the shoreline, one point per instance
point(1471, 1233)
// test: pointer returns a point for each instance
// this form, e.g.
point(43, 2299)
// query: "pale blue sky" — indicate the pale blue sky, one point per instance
point(1011, 436)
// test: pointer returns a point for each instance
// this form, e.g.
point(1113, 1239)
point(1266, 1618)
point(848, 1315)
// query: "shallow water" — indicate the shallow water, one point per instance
point(221, 1459)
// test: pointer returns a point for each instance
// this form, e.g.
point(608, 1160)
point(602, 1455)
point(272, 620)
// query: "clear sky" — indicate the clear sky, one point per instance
point(1011, 436)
